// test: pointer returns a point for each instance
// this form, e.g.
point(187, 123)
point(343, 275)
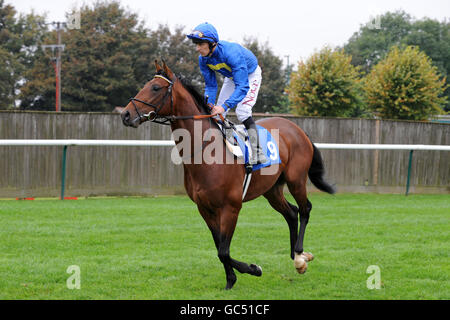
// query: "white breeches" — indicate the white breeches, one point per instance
point(244, 108)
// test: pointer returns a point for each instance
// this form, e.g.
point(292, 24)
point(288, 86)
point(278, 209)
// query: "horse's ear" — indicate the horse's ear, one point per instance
point(158, 67)
point(167, 71)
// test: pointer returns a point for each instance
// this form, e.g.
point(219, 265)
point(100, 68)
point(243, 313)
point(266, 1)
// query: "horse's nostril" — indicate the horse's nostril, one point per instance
point(126, 116)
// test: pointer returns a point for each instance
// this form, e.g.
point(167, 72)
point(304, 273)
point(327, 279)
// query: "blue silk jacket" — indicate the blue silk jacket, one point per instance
point(233, 61)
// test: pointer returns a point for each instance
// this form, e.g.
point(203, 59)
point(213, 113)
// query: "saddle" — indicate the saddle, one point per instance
point(234, 136)
point(238, 143)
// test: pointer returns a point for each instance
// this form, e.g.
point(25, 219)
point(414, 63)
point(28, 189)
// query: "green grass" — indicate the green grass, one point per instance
point(160, 248)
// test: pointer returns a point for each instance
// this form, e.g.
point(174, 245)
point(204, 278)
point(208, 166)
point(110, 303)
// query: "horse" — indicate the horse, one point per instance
point(216, 188)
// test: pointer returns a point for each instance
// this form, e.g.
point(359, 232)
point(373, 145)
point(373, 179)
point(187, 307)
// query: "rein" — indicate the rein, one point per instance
point(153, 115)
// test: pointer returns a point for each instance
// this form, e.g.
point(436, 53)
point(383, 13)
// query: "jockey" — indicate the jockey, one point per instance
point(242, 80)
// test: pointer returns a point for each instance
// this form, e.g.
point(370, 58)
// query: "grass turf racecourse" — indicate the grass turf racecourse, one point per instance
point(160, 248)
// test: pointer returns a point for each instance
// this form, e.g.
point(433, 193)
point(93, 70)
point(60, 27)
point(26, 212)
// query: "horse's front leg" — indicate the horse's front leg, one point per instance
point(223, 252)
point(222, 223)
point(221, 240)
point(228, 220)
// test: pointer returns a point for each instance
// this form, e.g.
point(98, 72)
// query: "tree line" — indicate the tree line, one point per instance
point(396, 69)
point(110, 57)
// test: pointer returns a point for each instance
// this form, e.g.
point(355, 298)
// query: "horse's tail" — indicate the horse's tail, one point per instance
point(316, 173)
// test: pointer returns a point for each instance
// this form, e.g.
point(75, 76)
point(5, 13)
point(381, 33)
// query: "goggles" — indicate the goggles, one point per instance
point(196, 34)
point(200, 35)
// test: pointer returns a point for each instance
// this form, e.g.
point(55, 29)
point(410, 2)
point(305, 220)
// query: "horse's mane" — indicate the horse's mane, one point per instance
point(193, 91)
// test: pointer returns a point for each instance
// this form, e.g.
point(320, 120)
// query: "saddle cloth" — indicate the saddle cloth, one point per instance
point(237, 141)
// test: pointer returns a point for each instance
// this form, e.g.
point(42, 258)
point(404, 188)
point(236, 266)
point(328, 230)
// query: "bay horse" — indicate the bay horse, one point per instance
point(217, 188)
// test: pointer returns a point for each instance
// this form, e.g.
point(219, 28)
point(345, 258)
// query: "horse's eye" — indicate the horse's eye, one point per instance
point(155, 87)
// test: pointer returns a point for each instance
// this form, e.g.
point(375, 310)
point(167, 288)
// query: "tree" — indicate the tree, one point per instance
point(108, 59)
point(405, 85)
point(270, 95)
point(433, 38)
point(18, 38)
point(326, 85)
point(373, 42)
point(178, 52)
point(104, 63)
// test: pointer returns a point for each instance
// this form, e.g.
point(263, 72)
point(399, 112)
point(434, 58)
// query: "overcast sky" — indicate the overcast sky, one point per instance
point(291, 27)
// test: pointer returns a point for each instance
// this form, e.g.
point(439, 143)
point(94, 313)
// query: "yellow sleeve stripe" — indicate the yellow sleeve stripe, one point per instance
point(219, 66)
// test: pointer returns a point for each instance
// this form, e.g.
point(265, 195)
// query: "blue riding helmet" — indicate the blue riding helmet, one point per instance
point(204, 32)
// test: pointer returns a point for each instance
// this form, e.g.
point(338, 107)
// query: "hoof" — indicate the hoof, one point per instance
point(300, 264)
point(307, 256)
point(256, 270)
point(230, 283)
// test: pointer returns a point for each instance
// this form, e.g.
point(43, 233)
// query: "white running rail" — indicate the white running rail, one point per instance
point(169, 143)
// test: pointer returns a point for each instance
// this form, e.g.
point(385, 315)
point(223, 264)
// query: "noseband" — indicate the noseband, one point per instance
point(153, 115)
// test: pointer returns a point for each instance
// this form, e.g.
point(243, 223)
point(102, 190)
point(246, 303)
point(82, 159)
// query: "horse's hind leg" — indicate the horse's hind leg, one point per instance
point(277, 200)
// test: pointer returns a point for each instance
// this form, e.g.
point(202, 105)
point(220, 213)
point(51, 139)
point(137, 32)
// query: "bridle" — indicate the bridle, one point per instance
point(153, 115)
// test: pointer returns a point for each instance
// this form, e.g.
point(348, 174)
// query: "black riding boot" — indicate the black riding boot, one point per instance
point(258, 155)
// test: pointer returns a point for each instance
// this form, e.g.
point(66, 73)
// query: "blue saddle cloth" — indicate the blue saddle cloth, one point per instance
point(267, 143)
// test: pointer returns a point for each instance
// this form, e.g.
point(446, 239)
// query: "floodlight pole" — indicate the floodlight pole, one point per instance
point(287, 69)
point(56, 61)
point(58, 69)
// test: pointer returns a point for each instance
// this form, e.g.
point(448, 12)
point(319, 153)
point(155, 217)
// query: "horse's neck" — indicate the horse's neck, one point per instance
point(199, 160)
point(192, 130)
point(185, 106)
